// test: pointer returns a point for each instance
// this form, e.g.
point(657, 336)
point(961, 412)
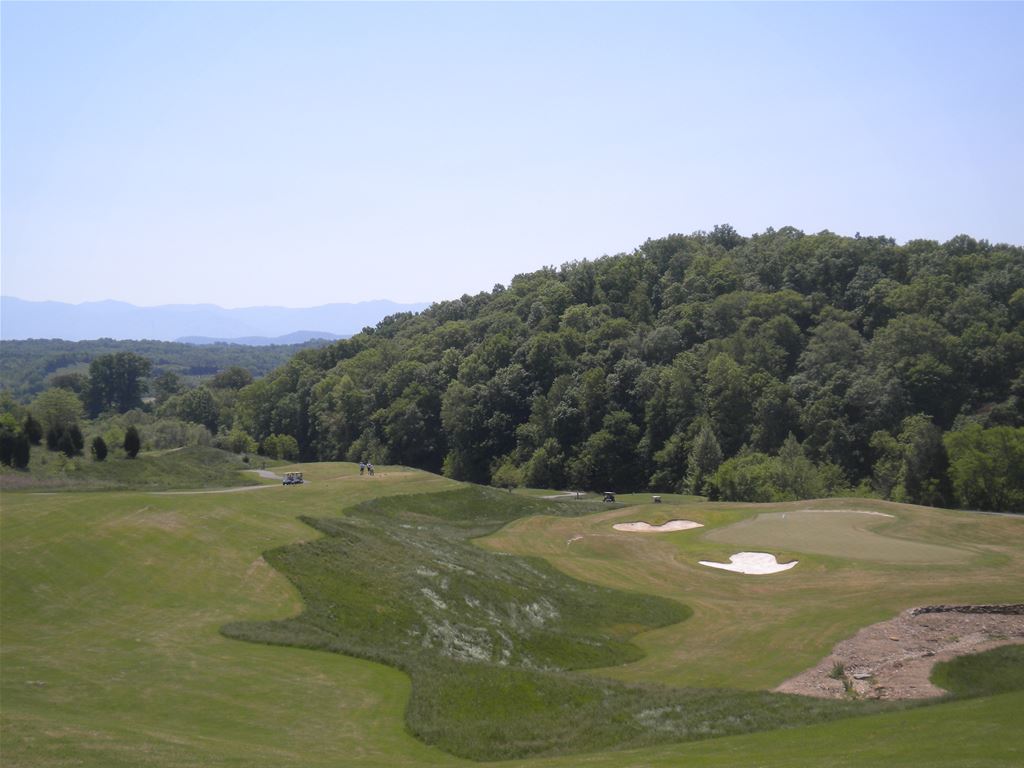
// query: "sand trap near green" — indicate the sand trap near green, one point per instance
point(671, 525)
point(751, 564)
point(839, 533)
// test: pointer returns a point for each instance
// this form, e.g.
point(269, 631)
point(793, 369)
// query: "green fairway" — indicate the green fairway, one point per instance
point(787, 621)
point(112, 605)
point(981, 733)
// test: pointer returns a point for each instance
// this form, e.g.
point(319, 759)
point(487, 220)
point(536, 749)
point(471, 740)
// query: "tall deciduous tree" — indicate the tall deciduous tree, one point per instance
point(57, 408)
point(166, 385)
point(234, 377)
point(116, 382)
point(705, 457)
point(987, 467)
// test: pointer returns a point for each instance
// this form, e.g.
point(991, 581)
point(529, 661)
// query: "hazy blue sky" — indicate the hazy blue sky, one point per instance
point(299, 154)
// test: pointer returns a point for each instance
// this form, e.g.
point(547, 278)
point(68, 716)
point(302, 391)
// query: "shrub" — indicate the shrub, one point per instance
point(77, 438)
point(33, 430)
point(236, 441)
point(132, 443)
point(280, 447)
point(508, 475)
point(21, 452)
point(99, 448)
point(6, 447)
point(66, 444)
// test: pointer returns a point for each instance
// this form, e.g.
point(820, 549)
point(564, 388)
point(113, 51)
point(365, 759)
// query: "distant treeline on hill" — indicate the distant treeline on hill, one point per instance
point(778, 366)
point(782, 365)
point(27, 367)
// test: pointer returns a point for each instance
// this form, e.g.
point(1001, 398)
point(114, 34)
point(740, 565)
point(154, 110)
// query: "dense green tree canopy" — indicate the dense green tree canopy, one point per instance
point(781, 365)
point(29, 366)
point(851, 356)
point(116, 382)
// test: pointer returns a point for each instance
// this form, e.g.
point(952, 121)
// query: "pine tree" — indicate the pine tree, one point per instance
point(99, 448)
point(32, 429)
point(132, 442)
point(22, 451)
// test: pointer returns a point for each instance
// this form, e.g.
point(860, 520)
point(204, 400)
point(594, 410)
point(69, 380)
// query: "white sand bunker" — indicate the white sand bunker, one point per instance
point(753, 563)
point(671, 525)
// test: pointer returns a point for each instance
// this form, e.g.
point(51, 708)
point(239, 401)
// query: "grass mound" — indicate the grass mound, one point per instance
point(488, 638)
point(192, 467)
point(1000, 670)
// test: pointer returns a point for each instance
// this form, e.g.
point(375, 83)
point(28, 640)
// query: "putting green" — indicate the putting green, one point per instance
point(839, 533)
point(787, 622)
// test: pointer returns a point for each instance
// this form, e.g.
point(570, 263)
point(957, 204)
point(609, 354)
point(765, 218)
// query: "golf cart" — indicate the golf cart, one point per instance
point(292, 478)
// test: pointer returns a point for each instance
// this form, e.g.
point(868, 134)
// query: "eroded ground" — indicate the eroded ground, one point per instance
point(893, 659)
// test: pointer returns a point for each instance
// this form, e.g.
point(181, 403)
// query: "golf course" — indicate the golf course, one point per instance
point(405, 619)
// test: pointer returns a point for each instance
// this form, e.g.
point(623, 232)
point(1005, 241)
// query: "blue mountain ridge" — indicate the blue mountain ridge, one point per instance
point(197, 323)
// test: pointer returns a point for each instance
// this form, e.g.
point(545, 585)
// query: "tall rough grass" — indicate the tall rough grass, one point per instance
point(1000, 670)
point(489, 640)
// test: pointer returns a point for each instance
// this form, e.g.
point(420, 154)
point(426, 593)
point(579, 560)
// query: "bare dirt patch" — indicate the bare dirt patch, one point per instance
point(893, 659)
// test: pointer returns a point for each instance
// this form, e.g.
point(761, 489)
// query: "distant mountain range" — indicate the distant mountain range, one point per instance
point(190, 323)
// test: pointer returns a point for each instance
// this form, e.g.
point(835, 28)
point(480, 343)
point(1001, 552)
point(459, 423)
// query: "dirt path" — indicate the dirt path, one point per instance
point(267, 474)
point(264, 473)
point(237, 489)
point(893, 659)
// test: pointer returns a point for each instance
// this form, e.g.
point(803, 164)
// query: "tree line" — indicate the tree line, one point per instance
point(27, 367)
point(775, 366)
point(117, 403)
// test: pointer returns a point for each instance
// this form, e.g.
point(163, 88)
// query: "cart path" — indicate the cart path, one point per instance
point(264, 473)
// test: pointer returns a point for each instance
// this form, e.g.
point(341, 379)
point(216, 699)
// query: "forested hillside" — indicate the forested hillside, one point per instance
point(28, 367)
point(779, 365)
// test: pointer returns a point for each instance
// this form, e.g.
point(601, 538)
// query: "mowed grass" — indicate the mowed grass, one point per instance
point(111, 605)
point(979, 733)
point(754, 632)
point(111, 650)
point(841, 533)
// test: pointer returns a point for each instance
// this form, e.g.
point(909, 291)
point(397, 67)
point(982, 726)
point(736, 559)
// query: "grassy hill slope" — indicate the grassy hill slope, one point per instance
point(112, 656)
point(192, 467)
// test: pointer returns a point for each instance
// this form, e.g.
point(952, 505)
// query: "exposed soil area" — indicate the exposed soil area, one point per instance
point(893, 659)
